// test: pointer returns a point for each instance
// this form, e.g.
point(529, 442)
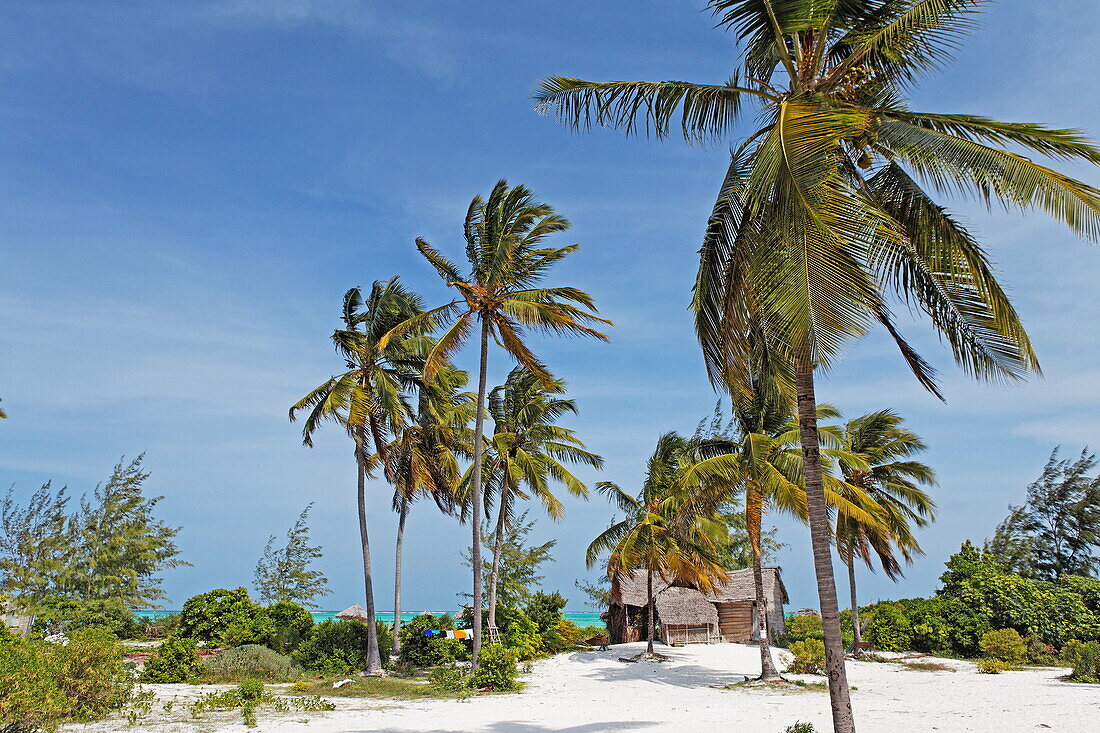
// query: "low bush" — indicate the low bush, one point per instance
point(800, 728)
point(176, 660)
point(291, 625)
point(1039, 653)
point(250, 696)
point(43, 685)
point(448, 678)
point(1006, 645)
point(809, 657)
point(250, 661)
point(65, 615)
point(496, 669)
point(419, 650)
point(225, 617)
point(1086, 662)
point(801, 628)
point(888, 628)
point(340, 646)
point(990, 665)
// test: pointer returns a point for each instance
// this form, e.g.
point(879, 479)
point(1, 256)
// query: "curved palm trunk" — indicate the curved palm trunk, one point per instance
point(856, 636)
point(374, 660)
point(402, 515)
point(839, 694)
point(475, 499)
point(498, 543)
point(652, 621)
point(754, 512)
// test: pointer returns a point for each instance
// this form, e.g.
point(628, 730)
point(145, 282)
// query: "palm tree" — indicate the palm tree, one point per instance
point(527, 451)
point(894, 482)
point(368, 400)
point(424, 456)
point(822, 211)
point(501, 298)
point(666, 532)
point(763, 458)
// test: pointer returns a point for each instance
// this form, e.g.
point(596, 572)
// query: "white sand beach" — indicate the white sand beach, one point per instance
point(591, 692)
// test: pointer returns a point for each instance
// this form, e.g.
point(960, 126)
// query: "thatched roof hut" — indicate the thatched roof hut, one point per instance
point(726, 613)
point(353, 613)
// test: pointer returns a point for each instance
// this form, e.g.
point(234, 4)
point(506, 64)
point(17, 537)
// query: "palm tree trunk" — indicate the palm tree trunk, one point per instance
point(754, 513)
point(402, 515)
point(651, 621)
point(498, 543)
point(856, 636)
point(374, 660)
point(475, 499)
point(839, 694)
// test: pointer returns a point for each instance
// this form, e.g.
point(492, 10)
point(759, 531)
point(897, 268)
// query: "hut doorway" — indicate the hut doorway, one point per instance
point(735, 621)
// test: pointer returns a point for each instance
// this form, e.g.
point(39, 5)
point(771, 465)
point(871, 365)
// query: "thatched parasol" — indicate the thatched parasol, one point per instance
point(354, 613)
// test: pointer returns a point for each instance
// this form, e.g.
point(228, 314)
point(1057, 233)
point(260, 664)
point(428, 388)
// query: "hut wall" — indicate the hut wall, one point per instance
point(626, 623)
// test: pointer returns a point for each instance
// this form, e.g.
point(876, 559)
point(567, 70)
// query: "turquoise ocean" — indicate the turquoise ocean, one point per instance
point(589, 618)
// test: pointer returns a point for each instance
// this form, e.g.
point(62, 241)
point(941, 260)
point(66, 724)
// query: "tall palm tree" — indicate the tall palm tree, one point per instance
point(763, 459)
point(501, 298)
point(823, 210)
point(425, 452)
point(893, 480)
point(368, 399)
point(527, 451)
point(666, 532)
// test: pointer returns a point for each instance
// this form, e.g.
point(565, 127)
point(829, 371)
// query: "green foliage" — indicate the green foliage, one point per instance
point(43, 685)
point(736, 552)
point(520, 561)
point(251, 689)
point(888, 628)
point(175, 660)
point(801, 628)
point(291, 624)
point(1006, 645)
point(419, 650)
point(448, 678)
point(1039, 653)
point(800, 728)
point(556, 633)
point(339, 646)
point(809, 657)
point(1055, 532)
point(988, 665)
point(1086, 662)
point(66, 615)
point(249, 661)
point(496, 669)
point(225, 617)
point(250, 696)
point(284, 574)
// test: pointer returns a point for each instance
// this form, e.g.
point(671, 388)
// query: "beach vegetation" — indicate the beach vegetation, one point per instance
point(291, 624)
point(500, 300)
point(43, 685)
point(1085, 658)
point(222, 616)
point(175, 660)
point(809, 657)
point(448, 678)
point(990, 665)
point(800, 728)
point(497, 669)
point(1004, 644)
point(421, 650)
point(250, 661)
point(286, 573)
point(250, 697)
point(64, 615)
point(888, 628)
point(339, 646)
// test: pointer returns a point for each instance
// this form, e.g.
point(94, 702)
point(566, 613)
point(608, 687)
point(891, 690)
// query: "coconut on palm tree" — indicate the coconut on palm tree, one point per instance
point(825, 212)
point(368, 400)
point(526, 452)
point(667, 532)
point(891, 477)
point(501, 297)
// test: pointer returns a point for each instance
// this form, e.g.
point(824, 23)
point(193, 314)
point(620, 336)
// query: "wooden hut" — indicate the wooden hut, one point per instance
point(687, 615)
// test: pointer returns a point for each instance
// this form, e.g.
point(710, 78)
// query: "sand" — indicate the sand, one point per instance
point(589, 692)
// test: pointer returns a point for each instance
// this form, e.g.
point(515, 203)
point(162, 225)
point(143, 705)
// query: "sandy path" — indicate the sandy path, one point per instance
point(589, 692)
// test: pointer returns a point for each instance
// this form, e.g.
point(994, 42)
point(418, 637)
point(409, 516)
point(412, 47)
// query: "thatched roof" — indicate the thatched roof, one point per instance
point(354, 613)
point(630, 589)
point(685, 606)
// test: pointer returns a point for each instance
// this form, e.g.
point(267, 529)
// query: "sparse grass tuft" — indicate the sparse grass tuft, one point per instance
point(395, 688)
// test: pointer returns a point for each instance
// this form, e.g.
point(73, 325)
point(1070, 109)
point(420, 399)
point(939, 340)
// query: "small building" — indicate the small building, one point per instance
point(687, 615)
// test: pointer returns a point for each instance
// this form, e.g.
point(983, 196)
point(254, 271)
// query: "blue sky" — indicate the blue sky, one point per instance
point(187, 189)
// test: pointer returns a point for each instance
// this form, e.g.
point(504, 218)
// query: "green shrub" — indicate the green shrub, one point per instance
point(556, 633)
point(809, 657)
point(249, 661)
point(419, 650)
point(1006, 645)
point(1086, 662)
point(448, 678)
point(290, 624)
point(250, 689)
point(176, 660)
point(339, 646)
point(1039, 653)
point(989, 665)
point(43, 685)
point(65, 615)
point(519, 633)
point(888, 628)
point(496, 669)
point(1071, 651)
point(225, 617)
point(800, 728)
point(929, 626)
point(801, 628)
